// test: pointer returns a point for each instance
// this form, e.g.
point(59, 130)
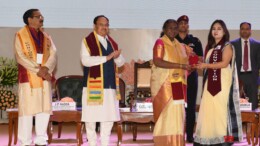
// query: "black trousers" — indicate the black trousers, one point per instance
point(192, 88)
point(250, 87)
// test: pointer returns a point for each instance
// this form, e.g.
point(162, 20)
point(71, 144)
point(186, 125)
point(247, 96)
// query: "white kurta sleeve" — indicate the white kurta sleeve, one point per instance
point(52, 60)
point(22, 59)
point(120, 61)
point(88, 60)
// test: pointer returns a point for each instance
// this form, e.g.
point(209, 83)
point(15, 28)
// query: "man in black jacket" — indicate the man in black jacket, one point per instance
point(192, 82)
point(248, 62)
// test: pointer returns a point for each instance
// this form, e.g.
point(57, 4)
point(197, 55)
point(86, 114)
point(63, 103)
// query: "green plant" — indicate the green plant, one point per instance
point(8, 79)
point(8, 72)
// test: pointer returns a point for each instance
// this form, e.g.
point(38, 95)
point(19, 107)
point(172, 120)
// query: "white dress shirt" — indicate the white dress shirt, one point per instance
point(89, 61)
point(103, 40)
point(109, 110)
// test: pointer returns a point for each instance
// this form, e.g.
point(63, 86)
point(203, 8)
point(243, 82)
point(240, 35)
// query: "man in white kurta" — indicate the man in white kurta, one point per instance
point(106, 109)
point(36, 57)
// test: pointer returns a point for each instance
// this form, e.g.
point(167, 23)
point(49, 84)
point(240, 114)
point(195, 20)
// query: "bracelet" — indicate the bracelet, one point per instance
point(181, 66)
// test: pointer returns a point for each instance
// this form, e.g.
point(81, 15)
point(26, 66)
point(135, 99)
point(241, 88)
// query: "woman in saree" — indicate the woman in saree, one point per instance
point(168, 87)
point(219, 119)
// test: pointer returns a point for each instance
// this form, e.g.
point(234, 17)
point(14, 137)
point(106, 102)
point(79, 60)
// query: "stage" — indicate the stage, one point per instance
point(144, 136)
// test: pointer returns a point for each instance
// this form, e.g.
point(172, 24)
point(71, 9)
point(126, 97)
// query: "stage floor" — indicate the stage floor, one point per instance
point(144, 136)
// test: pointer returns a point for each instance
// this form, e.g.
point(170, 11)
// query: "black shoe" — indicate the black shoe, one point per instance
point(190, 139)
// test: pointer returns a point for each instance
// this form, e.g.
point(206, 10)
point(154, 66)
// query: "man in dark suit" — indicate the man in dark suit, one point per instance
point(248, 62)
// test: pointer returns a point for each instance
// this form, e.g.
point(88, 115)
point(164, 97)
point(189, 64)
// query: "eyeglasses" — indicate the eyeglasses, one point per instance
point(38, 17)
point(103, 25)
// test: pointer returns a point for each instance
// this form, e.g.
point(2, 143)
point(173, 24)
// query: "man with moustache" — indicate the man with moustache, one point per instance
point(100, 57)
point(36, 57)
point(192, 82)
point(248, 62)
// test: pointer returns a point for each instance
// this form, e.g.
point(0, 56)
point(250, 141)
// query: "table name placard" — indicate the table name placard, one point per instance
point(63, 106)
point(124, 109)
point(144, 107)
point(245, 106)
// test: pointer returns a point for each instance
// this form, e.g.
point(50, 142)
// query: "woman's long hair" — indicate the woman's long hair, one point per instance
point(211, 41)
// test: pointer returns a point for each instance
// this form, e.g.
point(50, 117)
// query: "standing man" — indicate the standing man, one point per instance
point(36, 57)
point(100, 57)
point(192, 82)
point(248, 62)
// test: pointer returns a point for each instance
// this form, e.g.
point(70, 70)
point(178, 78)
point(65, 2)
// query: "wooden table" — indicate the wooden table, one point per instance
point(146, 117)
point(252, 117)
point(58, 116)
point(135, 117)
point(12, 125)
point(66, 116)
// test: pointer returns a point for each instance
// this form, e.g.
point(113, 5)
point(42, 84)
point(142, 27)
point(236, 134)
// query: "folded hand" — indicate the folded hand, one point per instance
point(117, 53)
point(43, 71)
point(47, 77)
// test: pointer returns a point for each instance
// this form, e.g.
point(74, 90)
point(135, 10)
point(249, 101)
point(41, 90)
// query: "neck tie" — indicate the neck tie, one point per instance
point(245, 63)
